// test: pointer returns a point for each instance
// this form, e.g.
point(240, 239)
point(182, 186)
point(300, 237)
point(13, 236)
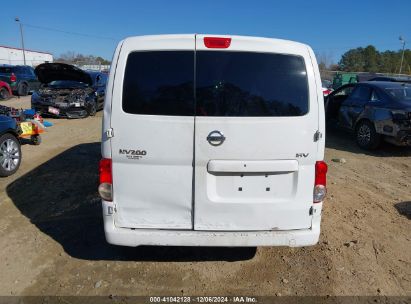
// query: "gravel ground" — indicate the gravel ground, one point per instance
point(53, 242)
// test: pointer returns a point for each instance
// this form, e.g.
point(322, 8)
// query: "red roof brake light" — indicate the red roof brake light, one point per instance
point(217, 42)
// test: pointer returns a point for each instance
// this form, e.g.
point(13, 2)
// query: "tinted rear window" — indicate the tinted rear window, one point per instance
point(250, 84)
point(159, 83)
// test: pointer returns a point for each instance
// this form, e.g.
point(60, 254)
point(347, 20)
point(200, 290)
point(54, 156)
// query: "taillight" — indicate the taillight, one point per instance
point(217, 42)
point(320, 184)
point(13, 77)
point(105, 189)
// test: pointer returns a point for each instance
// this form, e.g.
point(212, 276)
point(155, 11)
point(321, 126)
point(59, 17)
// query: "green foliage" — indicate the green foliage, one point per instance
point(369, 59)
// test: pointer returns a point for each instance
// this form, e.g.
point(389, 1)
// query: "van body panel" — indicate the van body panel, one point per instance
point(320, 101)
point(152, 155)
point(165, 237)
point(234, 168)
point(105, 140)
point(266, 199)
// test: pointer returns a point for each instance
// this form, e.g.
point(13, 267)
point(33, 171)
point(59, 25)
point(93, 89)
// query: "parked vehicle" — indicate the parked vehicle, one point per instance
point(10, 150)
point(5, 91)
point(392, 78)
point(374, 110)
point(341, 79)
point(326, 87)
point(21, 78)
point(213, 141)
point(68, 91)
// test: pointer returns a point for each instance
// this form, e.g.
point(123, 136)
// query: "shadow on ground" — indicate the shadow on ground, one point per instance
point(404, 208)
point(345, 141)
point(60, 198)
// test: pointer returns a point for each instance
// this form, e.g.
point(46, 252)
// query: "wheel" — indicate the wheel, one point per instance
point(4, 94)
point(92, 108)
point(367, 137)
point(35, 139)
point(23, 89)
point(10, 154)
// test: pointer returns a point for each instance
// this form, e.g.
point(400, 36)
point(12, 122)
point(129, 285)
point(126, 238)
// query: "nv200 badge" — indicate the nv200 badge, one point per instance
point(133, 154)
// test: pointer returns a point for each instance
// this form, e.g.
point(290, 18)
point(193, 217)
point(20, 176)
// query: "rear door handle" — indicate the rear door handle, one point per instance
point(215, 138)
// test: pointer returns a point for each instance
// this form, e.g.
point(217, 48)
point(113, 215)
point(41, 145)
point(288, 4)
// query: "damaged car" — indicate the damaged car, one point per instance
point(67, 91)
point(374, 111)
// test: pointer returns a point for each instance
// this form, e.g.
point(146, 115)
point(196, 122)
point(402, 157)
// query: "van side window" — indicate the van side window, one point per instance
point(159, 83)
point(250, 84)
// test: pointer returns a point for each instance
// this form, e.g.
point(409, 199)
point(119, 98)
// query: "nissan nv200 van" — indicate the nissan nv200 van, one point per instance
point(213, 141)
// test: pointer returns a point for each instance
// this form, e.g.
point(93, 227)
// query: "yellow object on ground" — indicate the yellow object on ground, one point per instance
point(32, 127)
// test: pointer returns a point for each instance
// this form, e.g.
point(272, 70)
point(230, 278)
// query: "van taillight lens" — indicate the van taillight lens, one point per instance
point(320, 184)
point(217, 42)
point(105, 189)
point(13, 77)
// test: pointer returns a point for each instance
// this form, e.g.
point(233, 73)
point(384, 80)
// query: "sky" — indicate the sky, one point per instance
point(95, 27)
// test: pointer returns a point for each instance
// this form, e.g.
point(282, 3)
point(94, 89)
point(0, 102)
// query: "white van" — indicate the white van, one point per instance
point(213, 141)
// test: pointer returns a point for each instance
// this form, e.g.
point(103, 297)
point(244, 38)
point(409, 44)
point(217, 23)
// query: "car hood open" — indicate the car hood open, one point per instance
point(48, 72)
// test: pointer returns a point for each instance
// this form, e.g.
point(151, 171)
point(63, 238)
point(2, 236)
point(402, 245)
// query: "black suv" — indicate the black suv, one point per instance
point(21, 78)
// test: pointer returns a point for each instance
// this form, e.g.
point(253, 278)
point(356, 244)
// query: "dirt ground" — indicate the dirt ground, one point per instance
point(52, 240)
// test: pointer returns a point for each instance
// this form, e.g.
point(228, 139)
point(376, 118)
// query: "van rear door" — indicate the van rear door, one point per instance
point(256, 116)
point(153, 125)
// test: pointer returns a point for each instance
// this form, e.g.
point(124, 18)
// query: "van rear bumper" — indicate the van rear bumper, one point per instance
point(138, 237)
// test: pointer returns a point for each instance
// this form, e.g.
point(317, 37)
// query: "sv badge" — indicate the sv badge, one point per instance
point(299, 155)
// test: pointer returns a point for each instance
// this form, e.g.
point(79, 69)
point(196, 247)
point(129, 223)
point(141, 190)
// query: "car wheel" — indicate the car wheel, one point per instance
point(23, 89)
point(92, 108)
point(4, 94)
point(10, 154)
point(367, 137)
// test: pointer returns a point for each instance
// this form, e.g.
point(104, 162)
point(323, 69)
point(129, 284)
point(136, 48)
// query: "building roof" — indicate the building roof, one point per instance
point(28, 50)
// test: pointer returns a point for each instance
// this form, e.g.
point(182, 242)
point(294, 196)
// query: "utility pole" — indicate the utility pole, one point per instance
point(402, 40)
point(17, 19)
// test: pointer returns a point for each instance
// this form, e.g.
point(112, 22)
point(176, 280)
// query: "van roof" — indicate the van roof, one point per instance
point(234, 37)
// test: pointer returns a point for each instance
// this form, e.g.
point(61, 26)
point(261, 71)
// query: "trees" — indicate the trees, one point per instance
point(73, 58)
point(369, 59)
point(352, 60)
point(325, 60)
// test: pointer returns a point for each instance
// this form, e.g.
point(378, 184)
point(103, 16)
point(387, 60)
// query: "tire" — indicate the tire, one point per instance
point(366, 136)
point(10, 154)
point(92, 109)
point(23, 89)
point(4, 94)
